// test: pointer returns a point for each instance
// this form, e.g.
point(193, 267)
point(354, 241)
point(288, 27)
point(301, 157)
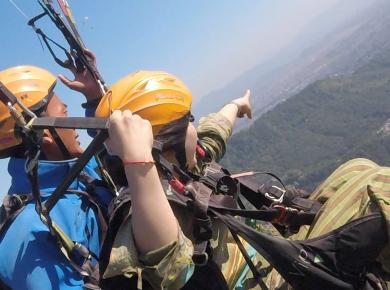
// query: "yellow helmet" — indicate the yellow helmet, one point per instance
point(154, 95)
point(33, 86)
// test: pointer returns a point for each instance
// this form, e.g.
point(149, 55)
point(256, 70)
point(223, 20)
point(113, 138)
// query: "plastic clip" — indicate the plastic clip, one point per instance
point(177, 185)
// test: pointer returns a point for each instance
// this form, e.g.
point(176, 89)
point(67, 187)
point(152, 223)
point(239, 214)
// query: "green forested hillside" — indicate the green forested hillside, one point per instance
point(331, 121)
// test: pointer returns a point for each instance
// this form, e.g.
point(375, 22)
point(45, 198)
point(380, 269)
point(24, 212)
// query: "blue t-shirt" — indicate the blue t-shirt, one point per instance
point(29, 256)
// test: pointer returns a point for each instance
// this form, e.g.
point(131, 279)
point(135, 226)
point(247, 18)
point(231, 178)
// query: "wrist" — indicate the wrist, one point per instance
point(237, 105)
point(93, 94)
point(140, 176)
point(91, 104)
point(90, 97)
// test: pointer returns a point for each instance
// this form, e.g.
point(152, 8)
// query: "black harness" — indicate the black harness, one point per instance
point(215, 195)
point(211, 196)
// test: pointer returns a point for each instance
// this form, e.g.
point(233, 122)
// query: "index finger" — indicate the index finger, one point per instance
point(247, 93)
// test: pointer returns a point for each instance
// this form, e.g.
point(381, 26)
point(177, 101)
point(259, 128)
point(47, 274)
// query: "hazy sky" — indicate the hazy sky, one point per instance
point(205, 43)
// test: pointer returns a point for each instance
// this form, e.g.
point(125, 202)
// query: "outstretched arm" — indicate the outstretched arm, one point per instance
point(153, 222)
point(215, 129)
point(238, 108)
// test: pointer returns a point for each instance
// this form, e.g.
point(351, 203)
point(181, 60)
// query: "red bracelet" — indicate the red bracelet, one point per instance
point(138, 162)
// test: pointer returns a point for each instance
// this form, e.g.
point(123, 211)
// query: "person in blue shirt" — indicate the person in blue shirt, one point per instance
point(30, 257)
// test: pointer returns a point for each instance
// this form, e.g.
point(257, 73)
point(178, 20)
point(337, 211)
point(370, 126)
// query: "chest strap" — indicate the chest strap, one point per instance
point(202, 226)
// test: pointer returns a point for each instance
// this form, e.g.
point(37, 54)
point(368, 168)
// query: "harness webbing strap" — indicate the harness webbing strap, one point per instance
point(44, 216)
point(103, 226)
point(202, 225)
point(14, 204)
point(252, 267)
point(60, 143)
point(106, 175)
point(65, 244)
point(250, 191)
point(294, 211)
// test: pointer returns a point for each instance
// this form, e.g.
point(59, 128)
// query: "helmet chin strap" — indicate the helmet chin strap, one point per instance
point(180, 154)
point(172, 136)
point(65, 152)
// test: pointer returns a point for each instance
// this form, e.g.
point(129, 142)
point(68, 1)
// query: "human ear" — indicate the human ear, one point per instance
point(47, 137)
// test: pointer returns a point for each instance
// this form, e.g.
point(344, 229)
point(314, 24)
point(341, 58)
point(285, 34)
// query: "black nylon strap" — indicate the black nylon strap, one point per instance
point(105, 175)
point(250, 191)
point(252, 267)
point(266, 214)
point(269, 214)
point(103, 222)
point(61, 145)
point(33, 176)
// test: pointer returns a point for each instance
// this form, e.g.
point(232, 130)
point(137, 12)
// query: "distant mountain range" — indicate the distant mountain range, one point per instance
point(359, 30)
point(306, 137)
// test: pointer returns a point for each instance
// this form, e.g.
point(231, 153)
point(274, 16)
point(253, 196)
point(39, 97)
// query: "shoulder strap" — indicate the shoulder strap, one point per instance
point(202, 226)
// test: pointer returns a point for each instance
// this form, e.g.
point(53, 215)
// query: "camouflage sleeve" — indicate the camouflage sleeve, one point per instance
point(214, 130)
point(168, 267)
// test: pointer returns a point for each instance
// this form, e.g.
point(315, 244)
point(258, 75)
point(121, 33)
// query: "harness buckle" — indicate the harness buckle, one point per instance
point(17, 201)
point(285, 214)
point(177, 185)
point(277, 200)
